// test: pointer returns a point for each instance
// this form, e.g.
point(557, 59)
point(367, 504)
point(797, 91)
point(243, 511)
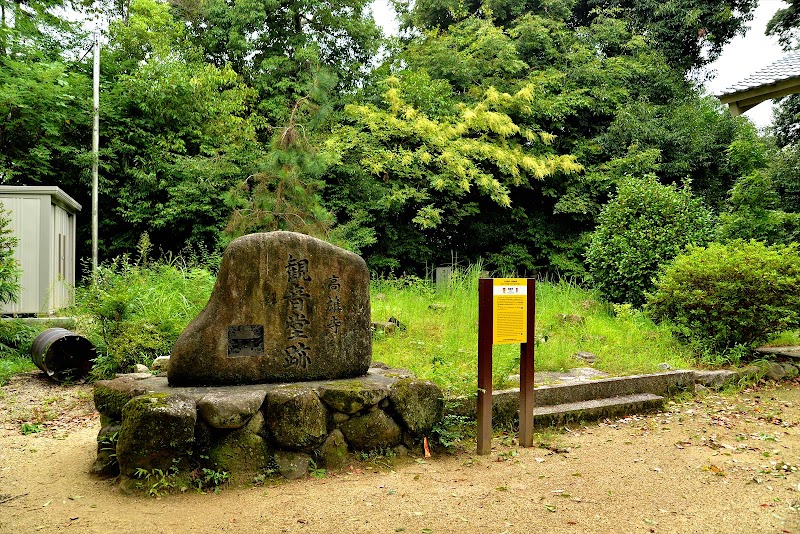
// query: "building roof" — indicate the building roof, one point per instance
point(57, 196)
point(781, 78)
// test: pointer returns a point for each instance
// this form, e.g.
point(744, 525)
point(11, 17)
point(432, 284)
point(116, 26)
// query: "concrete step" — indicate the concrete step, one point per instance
point(665, 384)
point(596, 409)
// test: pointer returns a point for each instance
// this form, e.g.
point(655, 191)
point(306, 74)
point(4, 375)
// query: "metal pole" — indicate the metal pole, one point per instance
point(95, 148)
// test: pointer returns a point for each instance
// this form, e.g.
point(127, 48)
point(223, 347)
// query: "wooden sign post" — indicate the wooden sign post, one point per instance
point(506, 315)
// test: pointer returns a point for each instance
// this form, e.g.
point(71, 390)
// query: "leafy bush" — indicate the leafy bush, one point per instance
point(643, 227)
point(134, 311)
point(728, 296)
point(9, 268)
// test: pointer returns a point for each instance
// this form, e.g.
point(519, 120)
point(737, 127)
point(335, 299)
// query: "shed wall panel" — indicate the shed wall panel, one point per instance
point(25, 225)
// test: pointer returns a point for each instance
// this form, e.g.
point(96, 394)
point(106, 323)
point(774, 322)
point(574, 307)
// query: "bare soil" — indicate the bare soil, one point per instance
point(713, 463)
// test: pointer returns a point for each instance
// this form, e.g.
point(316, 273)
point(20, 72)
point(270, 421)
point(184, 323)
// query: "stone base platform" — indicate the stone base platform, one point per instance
point(149, 427)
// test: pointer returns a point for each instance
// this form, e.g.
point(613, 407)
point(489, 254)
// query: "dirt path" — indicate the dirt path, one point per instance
point(712, 464)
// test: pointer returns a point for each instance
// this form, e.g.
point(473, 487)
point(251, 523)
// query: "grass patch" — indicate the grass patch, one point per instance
point(14, 364)
point(137, 309)
point(16, 339)
point(440, 338)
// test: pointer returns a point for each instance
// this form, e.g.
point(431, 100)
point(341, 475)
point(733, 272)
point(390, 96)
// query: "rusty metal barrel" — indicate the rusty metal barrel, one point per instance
point(63, 355)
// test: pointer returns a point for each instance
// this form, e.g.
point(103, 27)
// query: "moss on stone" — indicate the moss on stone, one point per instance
point(240, 451)
point(351, 396)
point(418, 404)
point(374, 430)
point(157, 432)
point(110, 396)
point(296, 418)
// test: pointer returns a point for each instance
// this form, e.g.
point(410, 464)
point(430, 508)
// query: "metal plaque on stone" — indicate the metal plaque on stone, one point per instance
point(245, 340)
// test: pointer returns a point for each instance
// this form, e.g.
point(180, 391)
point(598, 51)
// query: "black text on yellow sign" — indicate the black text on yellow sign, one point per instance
point(510, 307)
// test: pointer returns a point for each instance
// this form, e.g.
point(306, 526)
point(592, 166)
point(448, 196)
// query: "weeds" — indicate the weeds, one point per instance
point(441, 335)
point(156, 482)
point(135, 309)
point(205, 478)
point(31, 428)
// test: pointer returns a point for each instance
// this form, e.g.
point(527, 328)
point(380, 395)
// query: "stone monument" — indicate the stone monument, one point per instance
point(272, 376)
point(286, 307)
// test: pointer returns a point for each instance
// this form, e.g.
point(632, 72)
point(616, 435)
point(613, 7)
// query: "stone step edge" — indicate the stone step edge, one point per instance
point(597, 409)
point(505, 403)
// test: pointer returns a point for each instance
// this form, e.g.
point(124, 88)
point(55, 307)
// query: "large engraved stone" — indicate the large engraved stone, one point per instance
point(285, 307)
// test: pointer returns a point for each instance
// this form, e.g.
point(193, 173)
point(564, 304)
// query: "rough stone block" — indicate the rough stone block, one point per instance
point(292, 465)
point(157, 433)
point(418, 403)
point(334, 450)
point(296, 417)
point(285, 307)
point(111, 395)
point(375, 430)
point(240, 452)
point(351, 396)
point(230, 409)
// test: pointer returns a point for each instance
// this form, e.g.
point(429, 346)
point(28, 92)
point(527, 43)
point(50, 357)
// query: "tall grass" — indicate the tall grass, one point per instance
point(440, 338)
point(135, 310)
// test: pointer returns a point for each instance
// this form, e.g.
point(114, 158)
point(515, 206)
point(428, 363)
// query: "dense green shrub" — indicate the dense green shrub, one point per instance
point(643, 227)
point(134, 311)
point(730, 295)
point(9, 268)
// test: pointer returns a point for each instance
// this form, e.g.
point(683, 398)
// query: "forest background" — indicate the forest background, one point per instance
point(494, 130)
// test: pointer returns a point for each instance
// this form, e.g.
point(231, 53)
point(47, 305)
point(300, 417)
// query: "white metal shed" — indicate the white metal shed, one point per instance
point(43, 220)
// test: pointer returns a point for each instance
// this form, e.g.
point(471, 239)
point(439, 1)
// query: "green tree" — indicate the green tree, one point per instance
point(45, 122)
point(429, 174)
point(178, 133)
point(9, 268)
point(285, 193)
point(280, 45)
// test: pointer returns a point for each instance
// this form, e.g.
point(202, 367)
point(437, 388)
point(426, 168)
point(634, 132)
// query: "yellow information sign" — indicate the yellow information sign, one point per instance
point(510, 307)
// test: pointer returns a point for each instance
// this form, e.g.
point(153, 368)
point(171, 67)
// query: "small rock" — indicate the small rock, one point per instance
point(339, 418)
point(714, 379)
point(296, 417)
point(664, 366)
point(774, 371)
point(157, 433)
point(570, 318)
point(371, 431)
point(387, 328)
point(135, 376)
point(139, 368)
point(418, 403)
point(292, 465)
point(160, 364)
point(241, 451)
point(351, 396)
point(790, 370)
point(400, 450)
point(587, 357)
